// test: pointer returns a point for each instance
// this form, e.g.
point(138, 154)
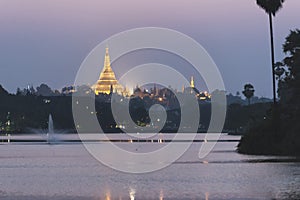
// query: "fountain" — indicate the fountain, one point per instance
point(50, 132)
point(49, 135)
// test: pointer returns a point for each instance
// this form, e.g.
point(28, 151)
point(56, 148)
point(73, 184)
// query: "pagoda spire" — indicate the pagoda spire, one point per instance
point(107, 82)
point(106, 59)
point(192, 84)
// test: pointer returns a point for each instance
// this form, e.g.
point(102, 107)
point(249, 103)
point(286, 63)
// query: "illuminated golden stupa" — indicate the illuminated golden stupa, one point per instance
point(107, 82)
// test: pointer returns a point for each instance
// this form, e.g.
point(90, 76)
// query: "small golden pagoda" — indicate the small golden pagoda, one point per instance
point(107, 82)
point(192, 84)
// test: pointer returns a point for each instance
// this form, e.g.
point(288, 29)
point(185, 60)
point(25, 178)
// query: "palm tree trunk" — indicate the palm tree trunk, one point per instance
point(273, 58)
point(275, 117)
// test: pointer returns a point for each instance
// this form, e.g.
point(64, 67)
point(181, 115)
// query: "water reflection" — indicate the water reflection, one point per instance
point(206, 195)
point(107, 195)
point(227, 175)
point(205, 162)
point(161, 195)
point(131, 193)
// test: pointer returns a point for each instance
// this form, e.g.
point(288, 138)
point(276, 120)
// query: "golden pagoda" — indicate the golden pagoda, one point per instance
point(192, 84)
point(107, 82)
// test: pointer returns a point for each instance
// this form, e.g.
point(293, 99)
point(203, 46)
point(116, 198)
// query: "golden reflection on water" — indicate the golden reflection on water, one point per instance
point(131, 193)
point(205, 162)
point(206, 195)
point(161, 195)
point(107, 195)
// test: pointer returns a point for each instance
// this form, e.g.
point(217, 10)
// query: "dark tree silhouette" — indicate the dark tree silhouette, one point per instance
point(44, 90)
point(271, 7)
point(248, 92)
point(289, 87)
point(3, 92)
point(286, 140)
point(292, 48)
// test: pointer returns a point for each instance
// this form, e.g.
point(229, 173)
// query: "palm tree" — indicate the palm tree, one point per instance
point(271, 7)
point(248, 92)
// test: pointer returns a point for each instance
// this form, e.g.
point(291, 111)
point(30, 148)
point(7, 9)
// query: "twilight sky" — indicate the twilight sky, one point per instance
point(46, 41)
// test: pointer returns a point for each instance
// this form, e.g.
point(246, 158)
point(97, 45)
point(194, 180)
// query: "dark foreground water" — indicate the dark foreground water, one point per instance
point(67, 171)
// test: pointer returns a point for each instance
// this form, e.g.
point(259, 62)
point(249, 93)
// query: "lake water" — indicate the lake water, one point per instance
point(68, 171)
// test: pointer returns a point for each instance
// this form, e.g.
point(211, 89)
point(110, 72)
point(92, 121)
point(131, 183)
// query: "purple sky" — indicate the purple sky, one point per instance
point(46, 41)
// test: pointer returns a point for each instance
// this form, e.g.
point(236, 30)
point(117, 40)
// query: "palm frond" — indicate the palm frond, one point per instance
point(270, 6)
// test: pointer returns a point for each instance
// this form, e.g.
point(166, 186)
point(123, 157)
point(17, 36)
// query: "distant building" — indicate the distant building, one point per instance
point(68, 90)
point(107, 84)
point(203, 96)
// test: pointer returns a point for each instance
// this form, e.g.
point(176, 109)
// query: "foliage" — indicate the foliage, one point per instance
point(262, 139)
point(43, 90)
point(3, 92)
point(30, 111)
point(270, 6)
point(289, 86)
point(248, 91)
